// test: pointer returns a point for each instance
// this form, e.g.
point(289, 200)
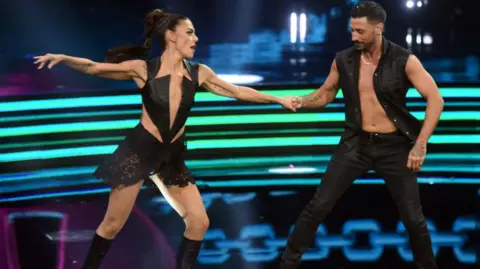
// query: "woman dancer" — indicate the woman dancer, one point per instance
point(154, 148)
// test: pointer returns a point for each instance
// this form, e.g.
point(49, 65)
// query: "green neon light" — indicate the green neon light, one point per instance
point(56, 153)
point(71, 115)
point(217, 144)
point(190, 134)
point(68, 127)
point(137, 112)
point(61, 142)
point(265, 132)
point(308, 117)
point(211, 120)
point(309, 141)
point(200, 97)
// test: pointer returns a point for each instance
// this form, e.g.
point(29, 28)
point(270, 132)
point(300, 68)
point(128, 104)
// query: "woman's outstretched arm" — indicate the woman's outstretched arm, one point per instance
point(121, 71)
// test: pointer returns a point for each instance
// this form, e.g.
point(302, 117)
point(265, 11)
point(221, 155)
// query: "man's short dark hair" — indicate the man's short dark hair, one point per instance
point(371, 10)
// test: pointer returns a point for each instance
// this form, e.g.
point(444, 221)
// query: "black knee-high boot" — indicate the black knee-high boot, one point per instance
point(97, 252)
point(187, 253)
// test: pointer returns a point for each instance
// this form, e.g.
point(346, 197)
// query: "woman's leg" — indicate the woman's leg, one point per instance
point(119, 208)
point(189, 205)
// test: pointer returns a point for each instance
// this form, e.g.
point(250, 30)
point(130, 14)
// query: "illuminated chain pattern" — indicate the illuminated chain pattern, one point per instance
point(324, 242)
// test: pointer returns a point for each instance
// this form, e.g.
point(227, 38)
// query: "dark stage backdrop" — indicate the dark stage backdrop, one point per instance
point(268, 42)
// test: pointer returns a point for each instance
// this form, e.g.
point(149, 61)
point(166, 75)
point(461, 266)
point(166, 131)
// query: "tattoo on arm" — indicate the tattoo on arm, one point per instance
point(320, 97)
point(145, 67)
point(84, 68)
point(87, 69)
point(79, 64)
point(333, 88)
point(217, 88)
point(314, 98)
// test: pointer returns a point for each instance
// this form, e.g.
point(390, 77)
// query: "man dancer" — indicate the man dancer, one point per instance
point(374, 76)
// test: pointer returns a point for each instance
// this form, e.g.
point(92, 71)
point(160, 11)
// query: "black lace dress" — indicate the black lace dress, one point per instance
point(141, 154)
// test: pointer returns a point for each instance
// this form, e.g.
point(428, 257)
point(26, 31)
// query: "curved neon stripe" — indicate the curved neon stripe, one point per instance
point(246, 183)
point(137, 112)
point(135, 99)
point(211, 120)
point(221, 163)
point(216, 144)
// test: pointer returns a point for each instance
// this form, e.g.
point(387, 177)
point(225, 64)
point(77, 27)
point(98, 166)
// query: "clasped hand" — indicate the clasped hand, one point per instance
point(292, 102)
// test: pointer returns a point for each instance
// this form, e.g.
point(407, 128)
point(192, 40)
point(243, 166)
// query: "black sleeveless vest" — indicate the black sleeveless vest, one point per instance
point(156, 98)
point(391, 85)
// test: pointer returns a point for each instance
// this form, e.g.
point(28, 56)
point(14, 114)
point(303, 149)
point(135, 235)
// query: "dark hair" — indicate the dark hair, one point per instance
point(371, 10)
point(157, 23)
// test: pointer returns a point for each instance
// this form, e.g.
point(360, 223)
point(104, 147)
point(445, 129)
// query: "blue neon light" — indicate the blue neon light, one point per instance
point(349, 230)
point(199, 164)
point(135, 99)
point(35, 214)
point(244, 183)
point(224, 247)
point(205, 144)
point(136, 112)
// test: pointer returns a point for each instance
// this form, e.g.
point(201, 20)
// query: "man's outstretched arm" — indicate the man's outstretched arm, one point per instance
point(323, 95)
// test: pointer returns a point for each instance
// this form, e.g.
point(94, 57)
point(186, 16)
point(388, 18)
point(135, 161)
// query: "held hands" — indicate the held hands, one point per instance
point(417, 156)
point(54, 59)
point(297, 102)
point(287, 102)
point(292, 102)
